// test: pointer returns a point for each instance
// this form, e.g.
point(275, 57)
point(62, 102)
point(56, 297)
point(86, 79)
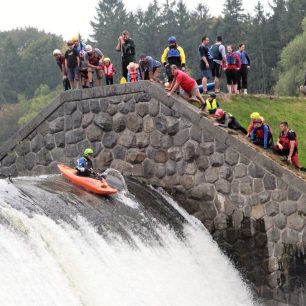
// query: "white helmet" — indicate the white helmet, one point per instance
point(88, 48)
point(57, 52)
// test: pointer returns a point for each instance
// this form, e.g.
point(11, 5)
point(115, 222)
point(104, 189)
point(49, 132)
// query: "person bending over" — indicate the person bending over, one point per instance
point(226, 120)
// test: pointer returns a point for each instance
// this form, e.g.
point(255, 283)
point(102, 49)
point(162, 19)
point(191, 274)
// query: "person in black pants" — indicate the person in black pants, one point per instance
point(243, 71)
point(127, 48)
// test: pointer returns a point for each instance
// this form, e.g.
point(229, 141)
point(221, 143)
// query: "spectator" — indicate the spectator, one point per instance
point(287, 144)
point(189, 85)
point(94, 60)
point(254, 116)
point(233, 65)
point(109, 71)
point(133, 73)
point(173, 55)
point(150, 68)
point(226, 120)
point(219, 60)
point(83, 70)
point(261, 134)
point(60, 60)
point(211, 104)
point(206, 62)
point(72, 63)
point(126, 46)
point(243, 71)
point(78, 45)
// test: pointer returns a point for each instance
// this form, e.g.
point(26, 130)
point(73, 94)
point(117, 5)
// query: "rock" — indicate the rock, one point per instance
point(135, 157)
point(161, 124)
point(220, 146)
point(258, 211)
point(181, 137)
point(43, 157)
point(206, 149)
point(122, 166)
point(223, 186)
point(290, 236)
point(302, 205)
point(175, 153)
point(258, 185)
point(209, 210)
point(142, 108)
point(203, 192)
point(166, 142)
point(74, 136)
point(189, 150)
point(273, 234)
point(293, 194)
point(127, 107)
point(255, 171)
point(173, 125)
point(57, 154)
point(94, 133)
point(203, 163)
point(211, 175)
point(71, 151)
point(49, 142)
point(280, 221)
point(240, 171)
point(110, 139)
point(96, 146)
point(246, 186)
point(269, 182)
point(221, 222)
point(23, 148)
point(295, 222)
point(95, 106)
point(84, 106)
point(60, 139)
point(170, 167)
point(237, 199)
point(119, 152)
point(288, 208)
point(225, 172)
point(8, 160)
point(165, 110)
point(187, 181)
point(37, 143)
point(70, 107)
point(231, 157)
point(279, 195)
point(127, 139)
point(20, 164)
point(195, 133)
point(155, 139)
point(142, 140)
point(119, 123)
point(160, 171)
point(111, 109)
point(264, 196)
point(272, 208)
point(77, 119)
point(154, 106)
point(217, 160)
point(191, 168)
point(87, 120)
point(237, 218)
point(274, 279)
point(148, 168)
point(68, 123)
point(161, 156)
point(104, 121)
point(148, 124)
point(244, 160)
point(134, 123)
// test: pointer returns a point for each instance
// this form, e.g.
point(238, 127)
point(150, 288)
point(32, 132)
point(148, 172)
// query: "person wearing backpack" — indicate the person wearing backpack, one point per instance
point(218, 53)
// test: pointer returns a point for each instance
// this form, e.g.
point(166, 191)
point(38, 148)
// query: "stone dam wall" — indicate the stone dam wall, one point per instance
point(253, 207)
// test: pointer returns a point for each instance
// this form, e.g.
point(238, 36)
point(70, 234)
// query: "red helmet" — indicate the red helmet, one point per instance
point(219, 112)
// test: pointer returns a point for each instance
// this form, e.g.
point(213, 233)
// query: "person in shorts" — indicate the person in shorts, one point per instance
point(72, 63)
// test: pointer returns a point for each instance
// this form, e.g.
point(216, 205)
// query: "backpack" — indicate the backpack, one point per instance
point(214, 50)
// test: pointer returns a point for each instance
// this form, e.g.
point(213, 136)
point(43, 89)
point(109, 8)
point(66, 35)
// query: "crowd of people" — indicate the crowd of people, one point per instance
point(80, 62)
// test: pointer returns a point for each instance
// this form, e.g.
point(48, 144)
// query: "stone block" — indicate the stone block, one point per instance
point(142, 140)
point(23, 148)
point(196, 133)
point(148, 124)
point(203, 192)
point(240, 171)
point(43, 157)
point(60, 139)
point(221, 222)
point(246, 186)
point(122, 166)
point(220, 146)
point(191, 168)
point(244, 160)
point(119, 152)
point(231, 157)
point(167, 111)
point(161, 124)
point(84, 106)
point(209, 210)
point(127, 139)
point(170, 167)
point(203, 163)
point(70, 107)
point(237, 218)
point(274, 279)
point(237, 199)
point(173, 125)
point(142, 108)
point(258, 185)
point(269, 182)
point(58, 154)
point(264, 197)
point(256, 171)
point(134, 123)
point(77, 117)
point(94, 106)
point(9, 160)
point(206, 149)
point(135, 157)
point(148, 168)
point(110, 139)
point(138, 171)
point(302, 205)
point(68, 123)
point(295, 222)
point(273, 234)
point(288, 207)
point(71, 151)
point(181, 167)
point(181, 137)
point(160, 171)
point(87, 120)
point(223, 186)
point(155, 139)
point(49, 142)
point(279, 195)
point(217, 159)
point(190, 150)
point(111, 109)
point(94, 133)
point(104, 121)
point(258, 211)
point(166, 142)
point(225, 172)
point(154, 107)
point(211, 175)
point(37, 143)
point(272, 208)
point(290, 236)
point(119, 123)
point(20, 164)
point(280, 221)
point(293, 194)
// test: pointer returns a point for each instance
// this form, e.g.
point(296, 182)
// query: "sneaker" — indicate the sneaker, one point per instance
point(245, 92)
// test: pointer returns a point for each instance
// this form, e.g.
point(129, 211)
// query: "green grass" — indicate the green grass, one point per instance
point(274, 110)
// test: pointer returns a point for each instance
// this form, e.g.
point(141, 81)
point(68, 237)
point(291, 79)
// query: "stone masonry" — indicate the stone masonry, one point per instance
point(253, 207)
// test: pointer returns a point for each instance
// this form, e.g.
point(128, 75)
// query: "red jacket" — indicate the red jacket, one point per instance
point(233, 61)
point(109, 70)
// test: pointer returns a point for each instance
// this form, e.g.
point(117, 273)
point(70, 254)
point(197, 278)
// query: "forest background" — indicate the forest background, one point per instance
point(275, 42)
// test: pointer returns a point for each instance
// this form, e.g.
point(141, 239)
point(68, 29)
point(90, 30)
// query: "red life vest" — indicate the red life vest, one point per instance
point(109, 70)
point(285, 141)
point(133, 76)
point(260, 132)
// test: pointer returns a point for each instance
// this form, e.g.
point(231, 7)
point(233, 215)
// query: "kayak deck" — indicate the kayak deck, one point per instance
point(90, 184)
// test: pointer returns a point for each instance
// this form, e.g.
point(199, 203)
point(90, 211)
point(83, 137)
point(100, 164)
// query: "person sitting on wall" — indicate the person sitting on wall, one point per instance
point(84, 165)
point(211, 104)
point(227, 120)
point(133, 74)
point(261, 134)
point(254, 116)
point(287, 144)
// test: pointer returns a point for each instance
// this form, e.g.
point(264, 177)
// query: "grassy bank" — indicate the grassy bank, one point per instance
point(274, 110)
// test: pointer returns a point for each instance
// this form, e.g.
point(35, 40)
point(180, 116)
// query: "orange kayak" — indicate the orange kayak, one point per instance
point(91, 184)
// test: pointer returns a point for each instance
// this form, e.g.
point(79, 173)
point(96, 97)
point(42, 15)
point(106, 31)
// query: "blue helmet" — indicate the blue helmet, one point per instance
point(172, 40)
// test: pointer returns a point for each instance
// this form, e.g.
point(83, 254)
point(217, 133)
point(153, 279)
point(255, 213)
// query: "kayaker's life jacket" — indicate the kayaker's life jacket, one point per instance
point(259, 134)
point(173, 53)
point(285, 141)
point(83, 162)
point(133, 76)
point(231, 60)
point(211, 106)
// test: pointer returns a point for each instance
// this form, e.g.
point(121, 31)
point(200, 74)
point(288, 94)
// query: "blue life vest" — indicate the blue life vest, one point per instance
point(231, 60)
point(173, 52)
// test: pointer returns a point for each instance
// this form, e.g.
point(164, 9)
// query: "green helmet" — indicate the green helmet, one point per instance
point(88, 151)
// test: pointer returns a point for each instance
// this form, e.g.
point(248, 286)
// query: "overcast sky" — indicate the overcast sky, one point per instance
point(69, 17)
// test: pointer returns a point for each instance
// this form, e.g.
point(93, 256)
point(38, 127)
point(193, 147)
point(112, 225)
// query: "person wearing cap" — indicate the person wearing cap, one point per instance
point(60, 61)
point(133, 73)
point(78, 45)
point(261, 134)
point(72, 64)
point(150, 68)
point(109, 71)
point(94, 60)
point(127, 48)
point(187, 84)
point(227, 120)
point(254, 116)
point(173, 55)
point(211, 104)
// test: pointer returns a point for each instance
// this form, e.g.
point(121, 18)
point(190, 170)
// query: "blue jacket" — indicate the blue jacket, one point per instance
point(83, 164)
point(262, 134)
point(245, 60)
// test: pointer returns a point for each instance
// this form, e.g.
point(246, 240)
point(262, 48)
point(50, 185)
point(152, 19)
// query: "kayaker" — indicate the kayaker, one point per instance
point(84, 165)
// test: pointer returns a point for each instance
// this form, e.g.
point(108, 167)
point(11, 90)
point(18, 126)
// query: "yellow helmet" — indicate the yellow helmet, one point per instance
point(106, 59)
point(75, 38)
point(255, 115)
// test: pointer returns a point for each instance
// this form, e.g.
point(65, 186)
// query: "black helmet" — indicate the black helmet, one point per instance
point(212, 94)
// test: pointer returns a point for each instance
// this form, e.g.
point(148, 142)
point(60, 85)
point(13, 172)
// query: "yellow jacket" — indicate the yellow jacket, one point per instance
point(164, 57)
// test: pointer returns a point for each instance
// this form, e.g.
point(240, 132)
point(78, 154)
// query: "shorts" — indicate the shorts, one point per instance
point(216, 70)
point(73, 73)
point(231, 76)
point(206, 73)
